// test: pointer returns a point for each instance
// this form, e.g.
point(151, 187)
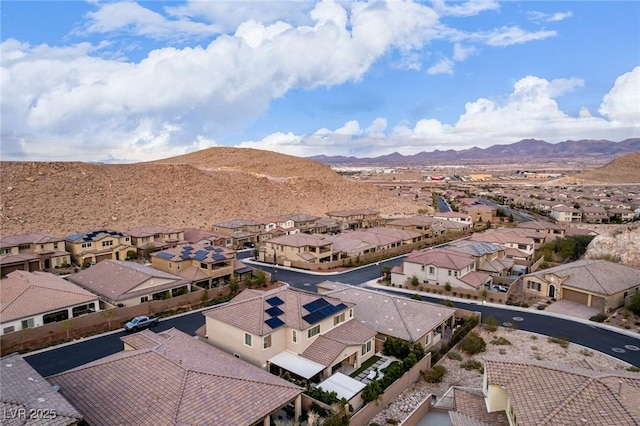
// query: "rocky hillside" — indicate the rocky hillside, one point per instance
point(624, 169)
point(621, 245)
point(194, 190)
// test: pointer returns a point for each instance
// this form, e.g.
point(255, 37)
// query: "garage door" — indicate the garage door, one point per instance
point(575, 296)
point(101, 257)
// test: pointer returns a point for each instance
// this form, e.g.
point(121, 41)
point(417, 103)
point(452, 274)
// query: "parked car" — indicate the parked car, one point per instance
point(499, 288)
point(249, 244)
point(140, 322)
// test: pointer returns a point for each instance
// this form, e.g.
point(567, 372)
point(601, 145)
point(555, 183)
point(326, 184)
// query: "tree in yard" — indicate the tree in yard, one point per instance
point(67, 326)
point(108, 314)
point(233, 285)
point(634, 305)
point(447, 286)
point(415, 281)
point(386, 272)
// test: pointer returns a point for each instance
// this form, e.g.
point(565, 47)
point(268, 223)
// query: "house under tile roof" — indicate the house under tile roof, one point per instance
point(293, 308)
point(395, 316)
point(146, 231)
point(441, 258)
point(95, 235)
point(329, 346)
point(23, 388)
point(179, 380)
point(551, 394)
point(597, 276)
point(118, 279)
point(201, 252)
point(301, 240)
point(25, 294)
point(31, 238)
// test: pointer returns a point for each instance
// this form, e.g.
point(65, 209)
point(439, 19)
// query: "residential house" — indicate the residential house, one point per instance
point(422, 224)
point(537, 393)
point(309, 335)
point(441, 266)
point(243, 231)
point(207, 238)
point(204, 265)
point(491, 258)
point(596, 283)
point(563, 213)
point(403, 318)
point(32, 299)
point(454, 217)
point(32, 252)
point(345, 247)
point(505, 238)
point(148, 239)
point(172, 378)
point(595, 214)
point(28, 399)
point(356, 219)
point(304, 222)
point(544, 227)
point(297, 248)
point(621, 215)
point(277, 226)
point(326, 225)
point(98, 245)
point(479, 212)
point(123, 283)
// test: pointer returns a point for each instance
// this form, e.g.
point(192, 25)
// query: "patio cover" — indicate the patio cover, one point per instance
point(343, 385)
point(296, 364)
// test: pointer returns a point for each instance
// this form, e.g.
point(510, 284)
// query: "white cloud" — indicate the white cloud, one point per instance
point(507, 36)
point(443, 66)
point(461, 53)
point(622, 103)
point(469, 8)
point(541, 17)
point(530, 109)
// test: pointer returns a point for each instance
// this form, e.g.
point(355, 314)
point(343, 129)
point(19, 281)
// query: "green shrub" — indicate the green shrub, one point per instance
point(473, 343)
point(598, 317)
point(371, 391)
point(634, 369)
point(500, 341)
point(472, 364)
point(435, 375)
point(491, 324)
point(634, 304)
point(562, 341)
point(454, 355)
point(448, 303)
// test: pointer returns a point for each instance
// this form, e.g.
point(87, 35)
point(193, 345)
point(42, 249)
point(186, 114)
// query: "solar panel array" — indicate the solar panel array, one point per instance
point(208, 248)
point(74, 237)
point(217, 249)
point(274, 311)
point(478, 248)
point(200, 255)
point(274, 322)
point(320, 309)
point(274, 301)
point(492, 246)
point(218, 256)
point(165, 255)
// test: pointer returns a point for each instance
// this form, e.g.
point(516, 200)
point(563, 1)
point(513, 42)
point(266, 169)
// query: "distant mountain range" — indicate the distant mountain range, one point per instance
point(526, 148)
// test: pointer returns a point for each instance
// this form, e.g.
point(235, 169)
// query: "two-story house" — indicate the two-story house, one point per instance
point(153, 238)
point(32, 299)
point(205, 266)
point(277, 226)
point(594, 214)
point(207, 238)
point(243, 231)
point(422, 224)
point(35, 251)
point(309, 335)
point(98, 245)
point(357, 218)
point(304, 222)
point(454, 217)
point(563, 213)
point(296, 248)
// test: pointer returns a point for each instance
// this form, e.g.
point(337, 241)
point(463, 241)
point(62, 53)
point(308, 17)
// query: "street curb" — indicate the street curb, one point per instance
point(375, 285)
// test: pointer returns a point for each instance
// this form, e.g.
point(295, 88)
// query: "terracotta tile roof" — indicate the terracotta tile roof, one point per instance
point(395, 316)
point(18, 258)
point(545, 393)
point(539, 225)
point(146, 231)
point(598, 276)
point(413, 221)
point(441, 258)
point(118, 279)
point(301, 240)
point(238, 223)
point(248, 313)
point(181, 381)
point(355, 212)
point(201, 252)
point(194, 235)
point(31, 238)
point(328, 347)
point(475, 278)
point(95, 235)
point(501, 238)
point(459, 419)
point(471, 403)
point(301, 217)
point(25, 294)
point(22, 387)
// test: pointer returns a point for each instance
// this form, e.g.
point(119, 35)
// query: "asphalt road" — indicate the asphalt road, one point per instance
point(443, 206)
point(615, 344)
point(517, 214)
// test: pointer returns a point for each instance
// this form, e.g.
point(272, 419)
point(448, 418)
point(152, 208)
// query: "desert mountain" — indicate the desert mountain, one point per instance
point(527, 148)
point(625, 169)
point(193, 190)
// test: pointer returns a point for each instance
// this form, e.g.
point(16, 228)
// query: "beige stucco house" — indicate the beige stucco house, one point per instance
point(153, 238)
point(98, 245)
point(596, 283)
point(357, 218)
point(32, 299)
point(31, 252)
point(563, 213)
point(296, 248)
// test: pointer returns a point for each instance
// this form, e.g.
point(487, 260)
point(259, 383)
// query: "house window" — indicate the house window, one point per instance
point(204, 265)
point(534, 286)
point(24, 246)
point(338, 319)
point(5, 251)
point(294, 336)
point(170, 265)
point(432, 270)
point(313, 331)
point(28, 323)
point(350, 313)
point(86, 245)
point(626, 293)
point(55, 245)
point(366, 348)
point(422, 267)
point(126, 238)
point(427, 339)
point(449, 272)
point(247, 339)
point(266, 342)
point(8, 330)
point(455, 273)
point(107, 243)
point(144, 299)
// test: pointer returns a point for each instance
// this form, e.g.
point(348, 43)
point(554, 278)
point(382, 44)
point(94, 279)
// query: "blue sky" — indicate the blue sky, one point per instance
point(135, 81)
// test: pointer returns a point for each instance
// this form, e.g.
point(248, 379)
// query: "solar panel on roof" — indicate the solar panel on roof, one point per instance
point(274, 311)
point(217, 249)
point(218, 256)
point(165, 255)
point(315, 305)
point(274, 322)
point(478, 248)
point(187, 248)
point(313, 317)
point(274, 301)
point(74, 237)
point(200, 255)
point(208, 248)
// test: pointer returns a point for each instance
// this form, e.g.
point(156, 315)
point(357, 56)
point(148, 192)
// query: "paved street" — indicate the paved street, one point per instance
point(618, 345)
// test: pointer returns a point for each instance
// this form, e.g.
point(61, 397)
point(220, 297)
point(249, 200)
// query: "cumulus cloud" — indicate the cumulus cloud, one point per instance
point(541, 17)
point(461, 53)
point(469, 8)
point(443, 66)
point(530, 109)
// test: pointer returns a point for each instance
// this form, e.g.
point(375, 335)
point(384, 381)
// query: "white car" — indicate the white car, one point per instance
point(499, 288)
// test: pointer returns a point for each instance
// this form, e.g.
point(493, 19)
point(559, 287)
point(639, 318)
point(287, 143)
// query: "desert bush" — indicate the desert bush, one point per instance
point(472, 364)
point(500, 341)
point(502, 351)
point(586, 352)
point(454, 355)
point(562, 341)
point(491, 324)
point(473, 343)
point(434, 375)
point(598, 317)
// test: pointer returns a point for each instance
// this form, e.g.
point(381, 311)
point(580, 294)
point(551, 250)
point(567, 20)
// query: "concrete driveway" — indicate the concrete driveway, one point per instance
point(573, 309)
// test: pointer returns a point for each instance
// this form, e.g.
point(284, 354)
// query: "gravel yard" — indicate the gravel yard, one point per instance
point(523, 345)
